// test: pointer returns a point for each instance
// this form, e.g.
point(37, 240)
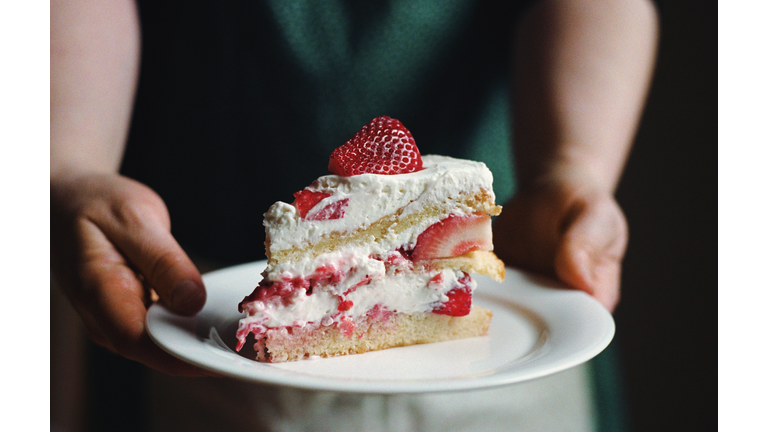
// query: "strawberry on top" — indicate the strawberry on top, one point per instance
point(383, 146)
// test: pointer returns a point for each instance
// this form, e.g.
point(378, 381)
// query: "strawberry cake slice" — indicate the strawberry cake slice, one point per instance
point(377, 255)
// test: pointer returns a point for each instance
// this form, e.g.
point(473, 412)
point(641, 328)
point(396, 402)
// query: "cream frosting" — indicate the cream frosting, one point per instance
point(367, 281)
point(373, 196)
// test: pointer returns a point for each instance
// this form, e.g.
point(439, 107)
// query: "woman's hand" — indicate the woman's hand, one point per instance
point(567, 228)
point(111, 251)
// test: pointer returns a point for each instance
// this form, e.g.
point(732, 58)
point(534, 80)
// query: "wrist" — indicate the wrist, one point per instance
point(565, 173)
point(73, 189)
point(66, 168)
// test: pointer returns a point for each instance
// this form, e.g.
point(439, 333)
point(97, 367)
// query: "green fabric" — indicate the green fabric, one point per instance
point(487, 144)
point(379, 58)
point(608, 391)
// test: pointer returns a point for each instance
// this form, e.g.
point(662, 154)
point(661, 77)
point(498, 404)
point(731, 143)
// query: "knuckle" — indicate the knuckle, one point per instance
point(139, 212)
point(106, 276)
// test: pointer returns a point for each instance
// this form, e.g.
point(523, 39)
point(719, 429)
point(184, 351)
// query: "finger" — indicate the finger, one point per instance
point(142, 233)
point(116, 300)
point(592, 248)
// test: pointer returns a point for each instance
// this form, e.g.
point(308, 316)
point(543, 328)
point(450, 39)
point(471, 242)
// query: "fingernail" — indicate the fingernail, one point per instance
point(187, 297)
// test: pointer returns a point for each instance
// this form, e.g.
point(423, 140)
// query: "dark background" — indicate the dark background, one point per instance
point(666, 324)
point(667, 321)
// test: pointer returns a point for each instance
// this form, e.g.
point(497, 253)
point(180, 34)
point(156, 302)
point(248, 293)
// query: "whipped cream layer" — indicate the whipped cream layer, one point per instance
point(361, 285)
point(365, 286)
point(372, 196)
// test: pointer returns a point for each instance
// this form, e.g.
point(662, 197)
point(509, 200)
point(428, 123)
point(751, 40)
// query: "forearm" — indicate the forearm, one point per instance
point(94, 67)
point(582, 69)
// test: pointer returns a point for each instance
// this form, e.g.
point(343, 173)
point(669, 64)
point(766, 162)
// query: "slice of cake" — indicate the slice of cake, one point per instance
point(377, 255)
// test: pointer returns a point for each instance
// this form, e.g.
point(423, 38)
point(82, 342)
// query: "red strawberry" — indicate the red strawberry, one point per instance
point(459, 300)
point(326, 275)
point(306, 199)
point(345, 305)
point(454, 236)
point(383, 146)
point(334, 210)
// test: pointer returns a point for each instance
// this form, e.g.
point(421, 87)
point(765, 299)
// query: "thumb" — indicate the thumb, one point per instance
point(591, 250)
point(148, 245)
point(168, 269)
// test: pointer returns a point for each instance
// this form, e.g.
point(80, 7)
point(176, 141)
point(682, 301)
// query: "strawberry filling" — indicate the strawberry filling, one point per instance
point(334, 210)
point(307, 200)
point(454, 236)
point(459, 299)
point(459, 296)
point(282, 291)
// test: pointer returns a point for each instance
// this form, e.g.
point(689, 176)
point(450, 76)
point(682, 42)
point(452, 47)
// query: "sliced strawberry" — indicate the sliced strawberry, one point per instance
point(383, 146)
point(334, 210)
point(306, 199)
point(459, 300)
point(454, 236)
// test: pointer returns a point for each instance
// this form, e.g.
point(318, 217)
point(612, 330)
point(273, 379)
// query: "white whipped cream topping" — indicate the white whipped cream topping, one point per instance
point(373, 196)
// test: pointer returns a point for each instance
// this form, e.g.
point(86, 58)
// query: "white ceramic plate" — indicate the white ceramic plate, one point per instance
point(538, 329)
